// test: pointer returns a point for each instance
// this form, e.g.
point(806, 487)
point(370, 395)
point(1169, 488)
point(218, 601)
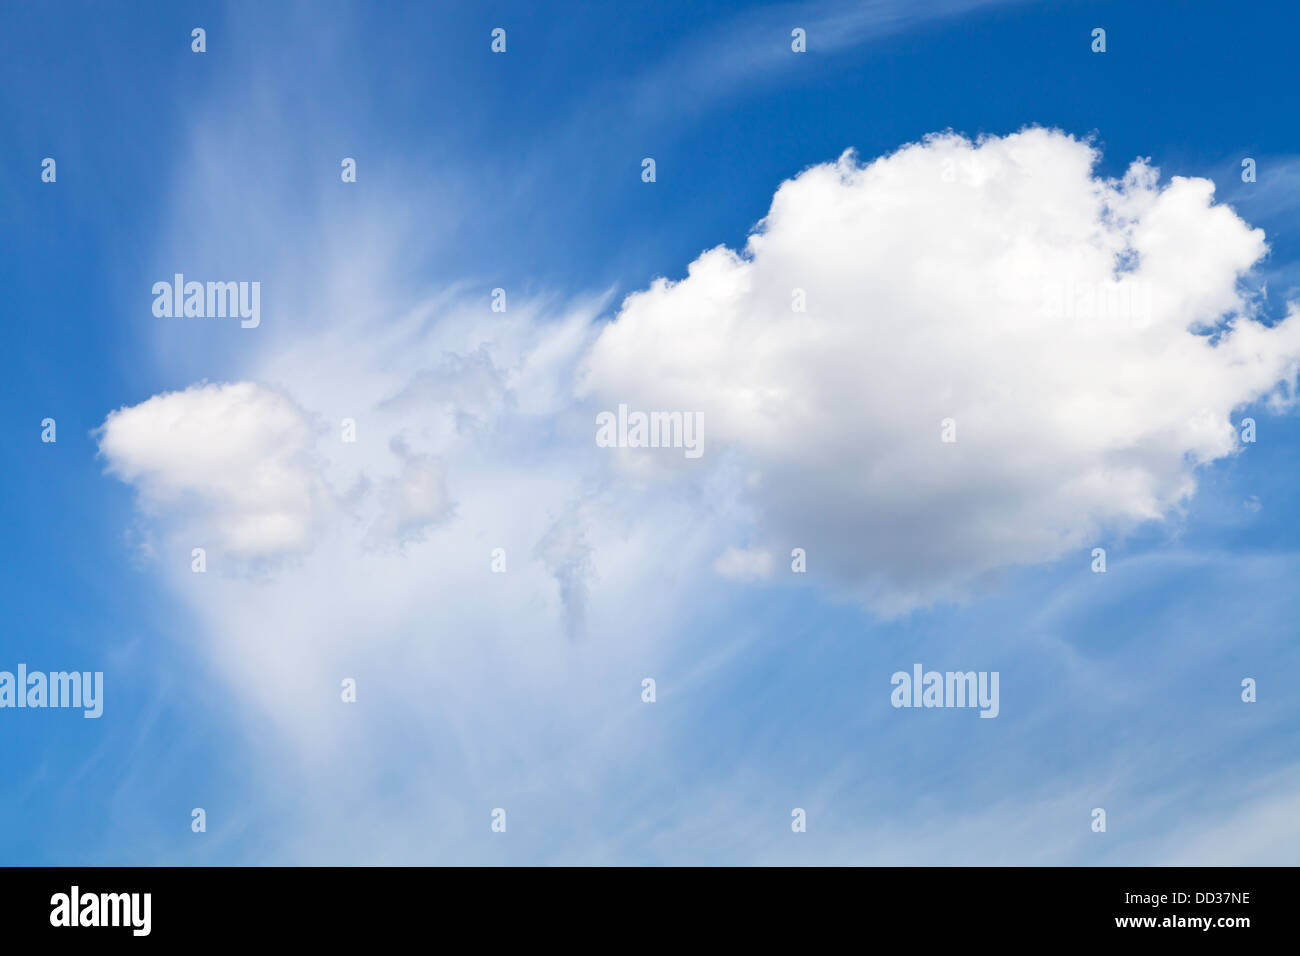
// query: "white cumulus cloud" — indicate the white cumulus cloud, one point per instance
point(1088, 338)
point(236, 458)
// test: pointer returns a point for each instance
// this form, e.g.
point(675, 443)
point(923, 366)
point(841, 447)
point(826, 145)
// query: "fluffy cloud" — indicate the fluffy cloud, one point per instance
point(1088, 338)
point(236, 458)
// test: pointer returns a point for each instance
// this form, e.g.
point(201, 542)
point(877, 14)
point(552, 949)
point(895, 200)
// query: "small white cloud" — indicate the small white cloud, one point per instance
point(235, 458)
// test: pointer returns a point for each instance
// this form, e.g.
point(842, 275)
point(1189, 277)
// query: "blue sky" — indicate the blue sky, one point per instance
point(522, 171)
